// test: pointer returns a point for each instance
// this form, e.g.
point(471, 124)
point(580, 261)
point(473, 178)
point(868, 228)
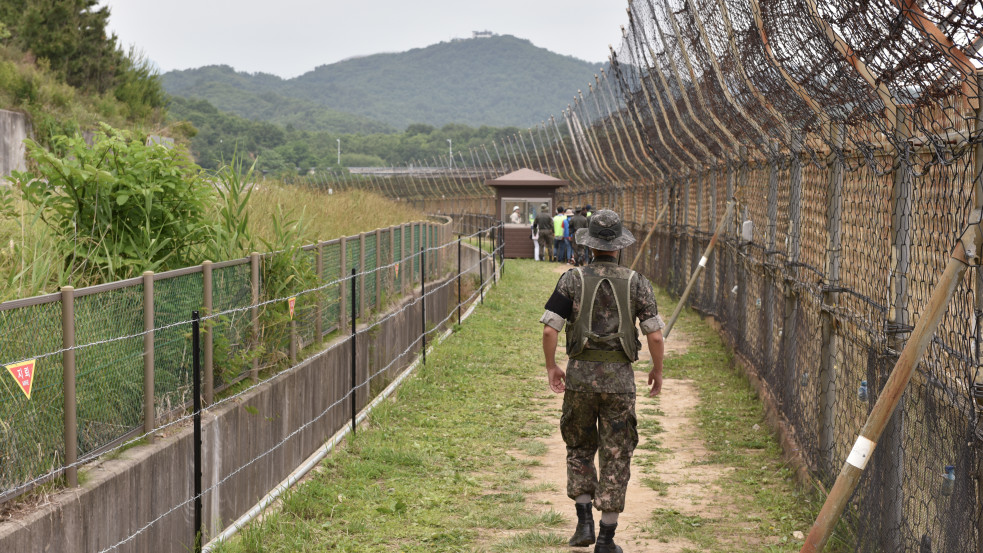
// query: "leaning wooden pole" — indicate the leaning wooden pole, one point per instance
point(641, 248)
point(966, 252)
point(699, 268)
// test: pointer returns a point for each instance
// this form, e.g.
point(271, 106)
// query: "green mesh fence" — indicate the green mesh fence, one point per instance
point(174, 300)
point(109, 377)
point(232, 293)
point(109, 326)
point(352, 262)
point(371, 249)
point(398, 256)
point(31, 435)
point(332, 273)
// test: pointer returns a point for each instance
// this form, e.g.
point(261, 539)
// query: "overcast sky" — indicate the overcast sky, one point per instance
point(291, 37)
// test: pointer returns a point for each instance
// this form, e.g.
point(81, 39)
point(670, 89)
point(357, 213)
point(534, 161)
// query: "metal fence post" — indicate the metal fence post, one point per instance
point(828, 351)
point(711, 278)
point(319, 297)
point(343, 290)
point(769, 282)
point(351, 398)
point(978, 377)
point(68, 382)
point(149, 411)
point(701, 180)
point(209, 353)
point(892, 452)
point(254, 269)
point(740, 268)
point(791, 312)
point(423, 302)
point(196, 416)
point(481, 270)
point(459, 298)
point(688, 247)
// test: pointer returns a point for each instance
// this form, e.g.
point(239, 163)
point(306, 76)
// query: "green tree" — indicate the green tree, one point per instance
point(70, 35)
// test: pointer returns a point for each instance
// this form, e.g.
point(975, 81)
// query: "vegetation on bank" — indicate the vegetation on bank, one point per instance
point(92, 214)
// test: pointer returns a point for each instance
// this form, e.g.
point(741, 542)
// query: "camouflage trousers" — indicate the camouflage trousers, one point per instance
point(603, 423)
point(578, 253)
point(546, 245)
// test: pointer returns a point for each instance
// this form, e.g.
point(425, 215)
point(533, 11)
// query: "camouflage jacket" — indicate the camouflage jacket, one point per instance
point(563, 306)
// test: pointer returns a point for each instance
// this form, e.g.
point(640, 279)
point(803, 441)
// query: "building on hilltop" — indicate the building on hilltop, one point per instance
point(482, 34)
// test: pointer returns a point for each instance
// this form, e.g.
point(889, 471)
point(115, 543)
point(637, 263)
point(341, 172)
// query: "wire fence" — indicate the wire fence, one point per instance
point(124, 348)
point(850, 135)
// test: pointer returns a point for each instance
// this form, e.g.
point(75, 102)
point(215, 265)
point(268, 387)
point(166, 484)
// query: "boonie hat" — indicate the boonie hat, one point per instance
point(516, 208)
point(605, 232)
point(569, 212)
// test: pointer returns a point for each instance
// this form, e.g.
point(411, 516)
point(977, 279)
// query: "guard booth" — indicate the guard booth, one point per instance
point(527, 190)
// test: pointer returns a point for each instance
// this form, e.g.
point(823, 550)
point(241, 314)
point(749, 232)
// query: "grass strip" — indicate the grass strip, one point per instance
point(432, 471)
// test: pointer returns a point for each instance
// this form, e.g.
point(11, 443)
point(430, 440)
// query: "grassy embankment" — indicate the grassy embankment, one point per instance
point(432, 472)
point(26, 243)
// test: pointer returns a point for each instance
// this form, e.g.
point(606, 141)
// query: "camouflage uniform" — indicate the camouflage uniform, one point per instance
point(545, 225)
point(599, 401)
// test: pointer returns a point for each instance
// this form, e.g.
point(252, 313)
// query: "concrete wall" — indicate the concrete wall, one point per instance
point(143, 493)
point(14, 128)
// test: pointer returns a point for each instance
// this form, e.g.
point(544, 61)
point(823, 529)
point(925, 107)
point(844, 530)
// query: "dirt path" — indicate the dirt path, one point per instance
point(667, 477)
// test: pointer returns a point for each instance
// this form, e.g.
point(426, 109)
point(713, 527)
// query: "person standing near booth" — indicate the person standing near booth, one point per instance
point(544, 225)
point(560, 245)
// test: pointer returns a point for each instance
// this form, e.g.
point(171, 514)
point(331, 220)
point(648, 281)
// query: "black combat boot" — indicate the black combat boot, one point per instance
point(605, 539)
point(584, 534)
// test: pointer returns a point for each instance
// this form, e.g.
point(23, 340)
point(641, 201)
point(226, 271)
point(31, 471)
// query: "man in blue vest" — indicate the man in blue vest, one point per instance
point(599, 305)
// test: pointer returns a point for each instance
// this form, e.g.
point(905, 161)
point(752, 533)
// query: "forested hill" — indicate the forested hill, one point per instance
point(497, 81)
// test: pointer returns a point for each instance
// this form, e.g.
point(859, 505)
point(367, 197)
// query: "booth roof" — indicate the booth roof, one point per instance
point(527, 177)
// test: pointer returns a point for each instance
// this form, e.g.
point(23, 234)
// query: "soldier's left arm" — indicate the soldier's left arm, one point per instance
point(647, 311)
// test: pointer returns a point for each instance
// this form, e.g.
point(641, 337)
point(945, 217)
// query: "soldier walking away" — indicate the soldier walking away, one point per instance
point(599, 304)
point(544, 223)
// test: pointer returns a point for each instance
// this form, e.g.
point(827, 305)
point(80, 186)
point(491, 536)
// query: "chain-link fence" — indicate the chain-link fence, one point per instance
point(130, 365)
point(850, 136)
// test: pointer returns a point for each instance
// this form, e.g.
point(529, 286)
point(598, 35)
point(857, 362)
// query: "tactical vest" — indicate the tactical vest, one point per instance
point(579, 330)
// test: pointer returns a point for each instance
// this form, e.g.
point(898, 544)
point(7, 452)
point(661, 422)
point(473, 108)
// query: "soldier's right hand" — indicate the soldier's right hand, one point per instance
point(557, 379)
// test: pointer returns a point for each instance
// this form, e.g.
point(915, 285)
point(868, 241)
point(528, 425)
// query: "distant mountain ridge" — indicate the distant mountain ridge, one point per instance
point(497, 81)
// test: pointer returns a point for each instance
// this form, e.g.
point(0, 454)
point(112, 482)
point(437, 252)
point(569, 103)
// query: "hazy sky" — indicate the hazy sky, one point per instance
point(291, 37)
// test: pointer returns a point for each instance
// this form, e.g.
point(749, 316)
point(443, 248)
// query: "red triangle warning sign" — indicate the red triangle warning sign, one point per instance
point(291, 302)
point(23, 373)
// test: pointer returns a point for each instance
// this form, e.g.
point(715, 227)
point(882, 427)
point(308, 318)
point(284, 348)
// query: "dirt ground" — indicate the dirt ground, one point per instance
point(689, 487)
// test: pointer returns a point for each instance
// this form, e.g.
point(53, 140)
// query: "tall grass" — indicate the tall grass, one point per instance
point(325, 216)
point(30, 265)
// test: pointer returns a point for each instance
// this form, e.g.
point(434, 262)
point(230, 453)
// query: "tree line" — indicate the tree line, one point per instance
point(289, 151)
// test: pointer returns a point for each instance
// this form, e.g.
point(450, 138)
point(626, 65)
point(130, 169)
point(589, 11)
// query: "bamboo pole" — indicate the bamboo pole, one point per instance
point(965, 252)
point(648, 236)
point(699, 268)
